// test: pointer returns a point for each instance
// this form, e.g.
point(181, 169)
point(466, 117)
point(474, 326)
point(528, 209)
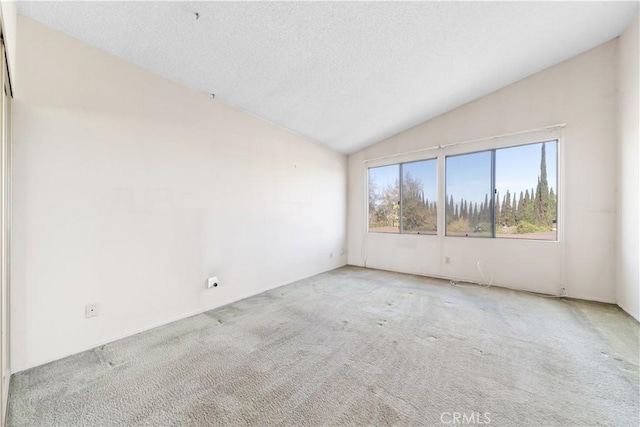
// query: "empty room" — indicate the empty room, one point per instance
point(320, 213)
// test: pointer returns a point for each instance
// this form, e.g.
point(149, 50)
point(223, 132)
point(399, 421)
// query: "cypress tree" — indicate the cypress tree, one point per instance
point(553, 205)
point(476, 214)
point(497, 210)
point(532, 207)
point(542, 214)
point(449, 209)
point(485, 215)
point(526, 207)
point(521, 207)
point(507, 215)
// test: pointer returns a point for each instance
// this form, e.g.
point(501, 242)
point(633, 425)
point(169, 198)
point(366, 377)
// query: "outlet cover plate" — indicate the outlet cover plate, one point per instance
point(91, 310)
point(212, 282)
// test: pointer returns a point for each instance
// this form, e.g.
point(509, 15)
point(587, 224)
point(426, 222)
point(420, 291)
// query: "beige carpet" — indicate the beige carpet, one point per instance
point(354, 346)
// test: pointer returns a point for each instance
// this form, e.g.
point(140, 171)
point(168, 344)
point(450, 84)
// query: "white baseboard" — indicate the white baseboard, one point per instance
point(495, 285)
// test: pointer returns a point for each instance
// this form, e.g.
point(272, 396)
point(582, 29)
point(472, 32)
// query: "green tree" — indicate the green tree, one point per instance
point(521, 207)
point(476, 214)
point(542, 212)
point(485, 212)
point(449, 209)
point(373, 202)
point(498, 209)
point(553, 205)
point(386, 207)
point(416, 216)
point(507, 213)
point(527, 209)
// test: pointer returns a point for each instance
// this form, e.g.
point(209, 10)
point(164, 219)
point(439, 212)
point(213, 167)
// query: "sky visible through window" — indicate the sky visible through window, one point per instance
point(525, 204)
point(386, 177)
point(424, 172)
point(517, 169)
point(469, 177)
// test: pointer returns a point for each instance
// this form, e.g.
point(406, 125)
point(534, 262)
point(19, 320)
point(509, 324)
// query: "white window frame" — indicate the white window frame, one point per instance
point(400, 170)
point(549, 133)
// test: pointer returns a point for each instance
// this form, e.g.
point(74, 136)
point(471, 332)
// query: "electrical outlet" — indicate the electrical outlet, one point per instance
point(212, 282)
point(91, 310)
point(563, 292)
point(447, 260)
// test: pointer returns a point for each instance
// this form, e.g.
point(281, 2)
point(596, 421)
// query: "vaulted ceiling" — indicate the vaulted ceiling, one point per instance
point(342, 73)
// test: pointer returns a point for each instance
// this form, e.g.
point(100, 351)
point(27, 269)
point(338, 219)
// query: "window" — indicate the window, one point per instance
point(526, 191)
point(419, 194)
point(384, 199)
point(402, 198)
point(506, 193)
point(468, 189)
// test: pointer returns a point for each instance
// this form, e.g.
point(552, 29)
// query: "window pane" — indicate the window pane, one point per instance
point(419, 194)
point(526, 184)
point(384, 199)
point(468, 195)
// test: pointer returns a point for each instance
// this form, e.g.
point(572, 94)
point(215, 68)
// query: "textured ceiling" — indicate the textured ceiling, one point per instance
point(344, 74)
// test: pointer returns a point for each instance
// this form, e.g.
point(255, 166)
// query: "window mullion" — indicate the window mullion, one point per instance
point(493, 193)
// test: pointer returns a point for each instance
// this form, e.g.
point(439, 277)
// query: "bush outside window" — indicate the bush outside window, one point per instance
point(402, 198)
point(505, 193)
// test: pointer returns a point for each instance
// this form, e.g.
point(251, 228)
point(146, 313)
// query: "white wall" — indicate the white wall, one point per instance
point(9, 16)
point(129, 190)
point(8, 19)
point(580, 92)
point(628, 237)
